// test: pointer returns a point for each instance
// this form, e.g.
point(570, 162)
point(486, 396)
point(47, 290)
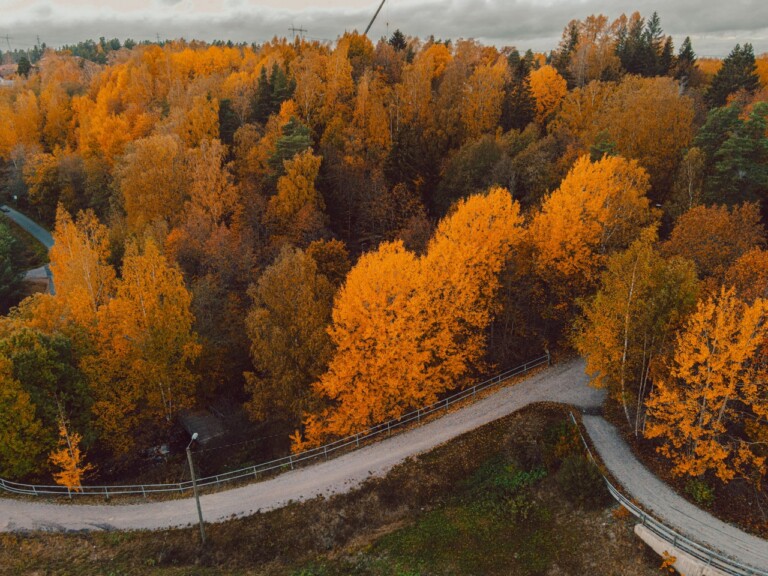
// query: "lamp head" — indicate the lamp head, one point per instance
point(194, 436)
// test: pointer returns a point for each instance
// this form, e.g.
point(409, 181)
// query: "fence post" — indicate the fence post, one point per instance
point(290, 459)
point(549, 357)
point(389, 430)
point(143, 492)
point(418, 414)
point(325, 451)
point(357, 439)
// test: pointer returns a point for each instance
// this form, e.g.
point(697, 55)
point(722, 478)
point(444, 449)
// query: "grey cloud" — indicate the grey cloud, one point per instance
point(714, 26)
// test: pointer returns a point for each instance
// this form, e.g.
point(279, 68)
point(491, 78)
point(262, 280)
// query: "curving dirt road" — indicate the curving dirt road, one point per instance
point(659, 499)
point(564, 383)
point(40, 234)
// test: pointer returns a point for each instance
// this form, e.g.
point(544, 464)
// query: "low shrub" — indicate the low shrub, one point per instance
point(581, 482)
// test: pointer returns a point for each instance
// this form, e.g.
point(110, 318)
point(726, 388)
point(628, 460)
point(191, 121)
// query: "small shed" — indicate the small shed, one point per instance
point(207, 425)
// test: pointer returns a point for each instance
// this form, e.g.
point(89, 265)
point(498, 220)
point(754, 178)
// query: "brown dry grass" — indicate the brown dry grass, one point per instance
point(369, 531)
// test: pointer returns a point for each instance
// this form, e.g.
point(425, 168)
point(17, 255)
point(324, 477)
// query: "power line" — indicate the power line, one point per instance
point(374, 18)
point(293, 30)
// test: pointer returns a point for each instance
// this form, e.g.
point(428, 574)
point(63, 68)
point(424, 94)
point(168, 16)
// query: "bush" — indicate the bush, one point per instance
point(581, 482)
point(561, 441)
point(701, 492)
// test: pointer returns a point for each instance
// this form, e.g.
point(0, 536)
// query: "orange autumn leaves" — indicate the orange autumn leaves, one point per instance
point(710, 412)
point(599, 208)
point(407, 328)
point(691, 375)
point(139, 328)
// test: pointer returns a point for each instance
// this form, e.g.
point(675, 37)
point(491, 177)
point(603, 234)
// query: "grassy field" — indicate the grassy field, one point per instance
point(515, 497)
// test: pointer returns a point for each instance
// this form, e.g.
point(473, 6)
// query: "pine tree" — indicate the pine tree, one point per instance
point(739, 72)
point(398, 41)
point(519, 107)
point(653, 44)
point(262, 99)
point(666, 57)
point(24, 66)
point(560, 59)
point(630, 46)
point(294, 140)
point(281, 88)
point(685, 62)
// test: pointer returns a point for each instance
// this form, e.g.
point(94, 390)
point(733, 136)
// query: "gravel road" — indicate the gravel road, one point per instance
point(565, 383)
point(41, 234)
point(658, 498)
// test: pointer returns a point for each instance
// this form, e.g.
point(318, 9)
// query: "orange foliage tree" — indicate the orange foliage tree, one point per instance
point(69, 459)
point(714, 237)
point(548, 89)
point(141, 374)
point(296, 211)
point(626, 331)
point(594, 55)
point(648, 120)
point(483, 97)
point(749, 275)
point(153, 165)
point(84, 280)
point(287, 326)
point(715, 392)
point(600, 207)
point(406, 329)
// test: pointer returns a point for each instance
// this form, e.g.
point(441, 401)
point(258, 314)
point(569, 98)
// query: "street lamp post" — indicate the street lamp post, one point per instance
point(194, 487)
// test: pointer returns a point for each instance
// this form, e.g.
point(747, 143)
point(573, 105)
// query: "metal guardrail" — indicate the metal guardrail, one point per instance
point(286, 462)
point(702, 553)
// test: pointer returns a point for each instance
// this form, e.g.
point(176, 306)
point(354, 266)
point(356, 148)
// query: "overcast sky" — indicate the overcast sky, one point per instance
point(715, 26)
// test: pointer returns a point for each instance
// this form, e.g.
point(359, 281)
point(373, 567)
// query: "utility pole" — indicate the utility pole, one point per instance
point(194, 488)
point(293, 30)
point(8, 40)
point(374, 18)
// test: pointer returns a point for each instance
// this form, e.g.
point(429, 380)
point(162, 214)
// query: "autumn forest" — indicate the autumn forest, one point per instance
point(322, 237)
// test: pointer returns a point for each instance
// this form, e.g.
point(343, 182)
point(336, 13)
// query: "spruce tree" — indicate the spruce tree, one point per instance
point(739, 72)
point(262, 100)
point(685, 62)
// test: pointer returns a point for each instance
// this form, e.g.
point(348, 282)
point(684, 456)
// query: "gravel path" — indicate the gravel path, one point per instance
point(658, 498)
point(565, 383)
point(41, 234)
